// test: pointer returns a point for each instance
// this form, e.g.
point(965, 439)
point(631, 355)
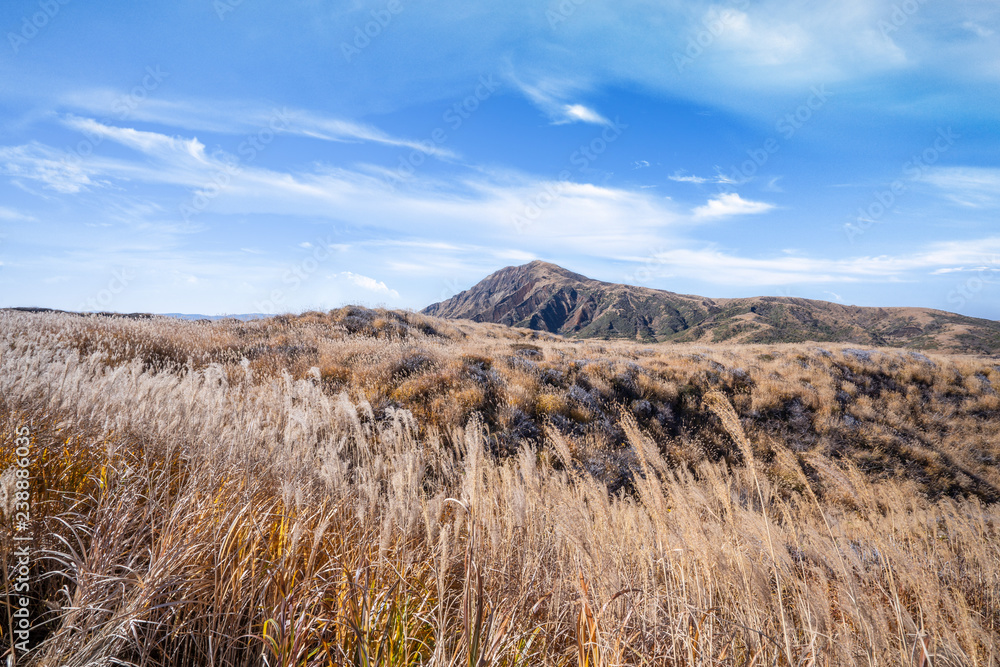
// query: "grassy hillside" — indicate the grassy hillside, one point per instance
point(368, 487)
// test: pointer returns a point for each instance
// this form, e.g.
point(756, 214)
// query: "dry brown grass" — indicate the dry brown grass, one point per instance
point(375, 488)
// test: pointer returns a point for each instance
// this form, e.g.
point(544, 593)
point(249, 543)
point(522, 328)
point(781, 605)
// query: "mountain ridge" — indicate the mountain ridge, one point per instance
point(547, 297)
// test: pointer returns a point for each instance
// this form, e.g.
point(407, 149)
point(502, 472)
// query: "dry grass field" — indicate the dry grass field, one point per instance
point(376, 488)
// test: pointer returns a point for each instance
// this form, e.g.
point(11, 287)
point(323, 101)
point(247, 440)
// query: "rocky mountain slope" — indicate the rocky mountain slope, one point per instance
point(546, 297)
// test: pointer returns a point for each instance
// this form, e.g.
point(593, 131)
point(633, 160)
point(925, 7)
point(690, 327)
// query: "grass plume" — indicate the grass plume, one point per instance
point(375, 488)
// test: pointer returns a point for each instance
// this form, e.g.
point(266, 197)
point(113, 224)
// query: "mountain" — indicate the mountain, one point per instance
point(547, 297)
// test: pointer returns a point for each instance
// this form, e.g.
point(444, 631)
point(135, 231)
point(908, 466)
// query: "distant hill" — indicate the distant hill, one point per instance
point(547, 297)
point(243, 316)
point(180, 316)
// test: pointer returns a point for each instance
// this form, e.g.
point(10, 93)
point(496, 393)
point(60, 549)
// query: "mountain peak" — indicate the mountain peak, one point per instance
point(547, 297)
point(542, 268)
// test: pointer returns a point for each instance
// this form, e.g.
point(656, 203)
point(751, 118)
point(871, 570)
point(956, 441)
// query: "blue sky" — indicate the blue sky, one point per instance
point(230, 156)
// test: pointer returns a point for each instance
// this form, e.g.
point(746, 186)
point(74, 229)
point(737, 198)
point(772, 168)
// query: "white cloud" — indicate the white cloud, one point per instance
point(478, 205)
point(580, 218)
point(242, 118)
point(174, 161)
point(11, 214)
point(370, 284)
point(716, 266)
point(423, 245)
point(836, 297)
point(568, 211)
point(682, 178)
point(772, 184)
point(727, 204)
point(977, 29)
point(574, 112)
point(308, 124)
point(722, 179)
point(550, 96)
point(761, 41)
point(719, 178)
point(766, 45)
point(975, 187)
point(151, 143)
point(971, 269)
point(52, 168)
point(950, 253)
point(773, 48)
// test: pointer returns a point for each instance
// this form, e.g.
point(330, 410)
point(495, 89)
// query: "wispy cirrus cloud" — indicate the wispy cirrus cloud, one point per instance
point(14, 216)
point(681, 177)
point(151, 143)
point(977, 29)
point(974, 187)
point(772, 184)
point(48, 166)
point(582, 216)
point(982, 268)
point(713, 265)
point(313, 125)
point(229, 117)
